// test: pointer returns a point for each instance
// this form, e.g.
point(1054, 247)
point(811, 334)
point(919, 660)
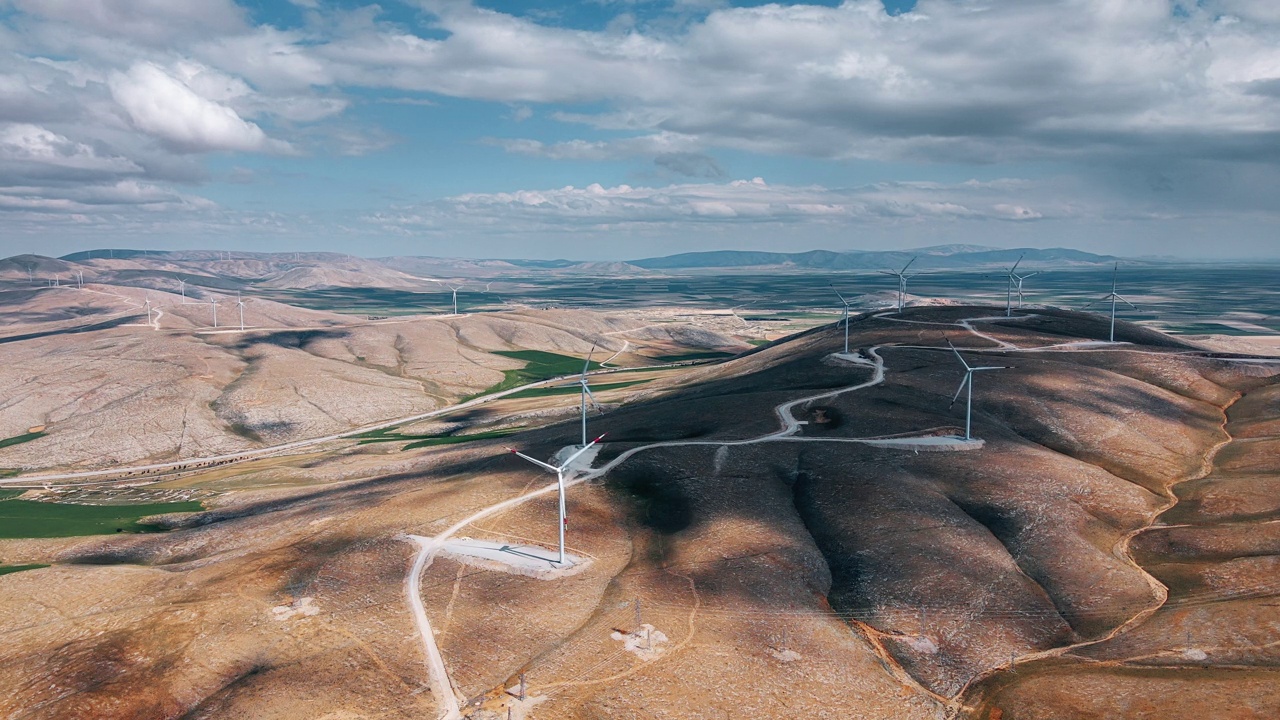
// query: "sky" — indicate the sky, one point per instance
point(620, 129)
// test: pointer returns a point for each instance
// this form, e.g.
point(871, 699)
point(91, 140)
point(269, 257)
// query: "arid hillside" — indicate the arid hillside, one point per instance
point(121, 375)
point(796, 532)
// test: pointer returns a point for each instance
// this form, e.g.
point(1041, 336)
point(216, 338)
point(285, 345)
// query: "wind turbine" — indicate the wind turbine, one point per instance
point(1015, 280)
point(902, 282)
point(559, 471)
point(213, 302)
point(182, 288)
point(967, 382)
point(1113, 297)
point(240, 303)
point(31, 275)
point(148, 305)
point(80, 279)
point(846, 318)
point(455, 297)
point(586, 394)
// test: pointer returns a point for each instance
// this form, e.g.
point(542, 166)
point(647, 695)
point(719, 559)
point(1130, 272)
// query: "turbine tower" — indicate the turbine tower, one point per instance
point(559, 471)
point(455, 296)
point(1113, 297)
point(182, 288)
point(902, 282)
point(148, 305)
point(80, 279)
point(967, 383)
point(240, 303)
point(586, 395)
point(846, 318)
point(213, 302)
point(1015, 281)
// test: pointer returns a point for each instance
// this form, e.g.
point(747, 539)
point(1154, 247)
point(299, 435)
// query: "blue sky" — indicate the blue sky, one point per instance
point(628, 128)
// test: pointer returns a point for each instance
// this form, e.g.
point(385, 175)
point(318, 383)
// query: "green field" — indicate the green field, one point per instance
point(18, 439)
point(31, 519)
point(421, 441)
point(705, 355)
point(538, 366)
point(6, 569)
point(572, 389)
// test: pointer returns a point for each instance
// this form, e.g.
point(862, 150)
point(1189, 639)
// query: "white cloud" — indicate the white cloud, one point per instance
point(150, 21)
point(163, 106)
point(951, 81)
point(26, 143)
point(740, 201)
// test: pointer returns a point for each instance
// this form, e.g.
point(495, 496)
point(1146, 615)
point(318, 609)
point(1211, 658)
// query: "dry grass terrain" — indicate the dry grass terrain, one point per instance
point(1109, 551)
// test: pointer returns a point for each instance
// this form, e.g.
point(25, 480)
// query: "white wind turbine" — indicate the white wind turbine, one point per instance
point(455, 296)
point(1015, 281)
point(902, 282)
point(80, 279)
point(1113, 297)
point(586, 395)
point(559, 471)
point(148, 306)
point(846, 318)
point(182, 288)
point(967, 382)
point(240, 303)
point(213, 303)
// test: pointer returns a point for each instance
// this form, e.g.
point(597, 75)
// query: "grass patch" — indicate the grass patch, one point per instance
point(6, 493)
point(704, 355)
point(573, 389)
point(538, 366)
point(6, 569)
point(453, 439)
point(759, 343)
point(420, 441)
point(31, 519)
point(19, 439)
point(9, 472)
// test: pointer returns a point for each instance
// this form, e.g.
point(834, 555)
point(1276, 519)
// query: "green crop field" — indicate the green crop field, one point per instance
point(6, 569)
point(420, 441)
point(573, 389)
point(31, 519)
point(17, 439)
point(704, 355)
point(538, 366)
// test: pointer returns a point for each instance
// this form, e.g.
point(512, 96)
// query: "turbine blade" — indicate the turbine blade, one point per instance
point(1126, 302)
point(837, 292)
point(592, 398)
point(1015, 265)
point(904, 267)
point(990, 367)
point(574, 456)
point(539, 463)
point(1024, 277)
point(958, 356)
point(587, 365)
point(959, 390)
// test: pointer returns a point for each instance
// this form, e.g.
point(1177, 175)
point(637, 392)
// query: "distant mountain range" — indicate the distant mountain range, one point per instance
point(941, 256)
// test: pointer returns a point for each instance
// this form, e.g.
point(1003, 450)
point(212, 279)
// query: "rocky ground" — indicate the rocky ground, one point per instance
point(1108, 552)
